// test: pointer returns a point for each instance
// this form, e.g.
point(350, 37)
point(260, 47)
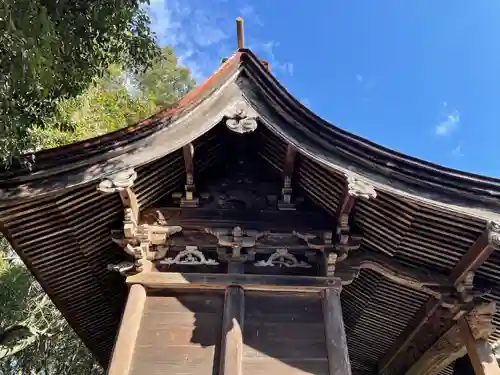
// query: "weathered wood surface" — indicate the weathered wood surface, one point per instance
point(284, 335)
point(180, 335)
point(336, 340)
point(201, 281)
point(278, 221)
point(232, 332)
point(452, 344)
point(429, 316)
point(479, 351)
point(121, 361)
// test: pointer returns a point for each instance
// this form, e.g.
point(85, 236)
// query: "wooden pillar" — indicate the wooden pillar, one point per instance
point(479, 352)
point(232, 332)
point(121, 361)
point(336, 341)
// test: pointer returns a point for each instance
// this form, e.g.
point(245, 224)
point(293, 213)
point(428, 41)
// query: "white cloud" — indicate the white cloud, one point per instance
point(193, 31)
point(457, 151)
point(359, 78)
point(202, 34)
point(449, 124)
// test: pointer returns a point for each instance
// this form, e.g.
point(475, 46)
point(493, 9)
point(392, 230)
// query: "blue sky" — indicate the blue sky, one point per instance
point(421, 77)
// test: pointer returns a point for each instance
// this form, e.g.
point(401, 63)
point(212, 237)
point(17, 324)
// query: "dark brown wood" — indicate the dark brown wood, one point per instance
point(275, 221)
point(336, 341)
point(291, 153)
point(284, 334)
point(404, 339)
point(178, 281)
point(433, 284)
point(285, 204)
point(345, 205)
point(232, 332)
point(475, 256)
point(121, 361)
point(240, 36)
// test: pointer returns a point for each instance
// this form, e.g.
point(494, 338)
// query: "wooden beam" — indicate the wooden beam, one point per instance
point(451, 345)
point(267, 220)
point(174, 280)
point(121, 360)
point(346, 204)
point(477, 254)
point(480, 353)
point(336, 341)
point(433, 284)
point(232, 332)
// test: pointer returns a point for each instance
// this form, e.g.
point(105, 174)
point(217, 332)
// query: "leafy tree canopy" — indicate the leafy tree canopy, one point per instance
point(52, 49)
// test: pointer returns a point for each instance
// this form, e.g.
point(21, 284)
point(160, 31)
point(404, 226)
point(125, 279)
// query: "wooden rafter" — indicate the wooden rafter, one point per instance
point(478, 253)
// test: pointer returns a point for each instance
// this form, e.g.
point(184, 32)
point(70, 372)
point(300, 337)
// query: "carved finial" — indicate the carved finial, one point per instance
point(240, 33)
point(360, 188)
point(241, 118)
point(494, 234)
point(118, 182)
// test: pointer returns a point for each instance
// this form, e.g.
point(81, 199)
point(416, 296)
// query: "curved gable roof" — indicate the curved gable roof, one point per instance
point(244, 76)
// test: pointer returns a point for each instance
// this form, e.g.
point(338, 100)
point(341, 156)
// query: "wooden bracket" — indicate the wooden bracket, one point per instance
point(460, 276)
point(236, 240)
point(346, 240)
point(476, 325)
point(285, 204)
point(137, 240)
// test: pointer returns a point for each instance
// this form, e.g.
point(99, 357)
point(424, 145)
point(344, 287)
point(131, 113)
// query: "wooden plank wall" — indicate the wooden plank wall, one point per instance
point(179, 334)
point(284, 335)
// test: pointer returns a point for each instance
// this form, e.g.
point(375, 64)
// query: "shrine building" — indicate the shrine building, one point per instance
point(238, 233)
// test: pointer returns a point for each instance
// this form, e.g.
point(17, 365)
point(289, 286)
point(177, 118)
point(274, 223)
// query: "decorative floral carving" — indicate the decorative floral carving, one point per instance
point(241, 118)
point(494, 234)
point(282, 258)
point(359, 188)
point(118, 182)
point(190, 257)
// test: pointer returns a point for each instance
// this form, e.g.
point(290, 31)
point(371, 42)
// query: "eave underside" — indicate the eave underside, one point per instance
point(65, 241)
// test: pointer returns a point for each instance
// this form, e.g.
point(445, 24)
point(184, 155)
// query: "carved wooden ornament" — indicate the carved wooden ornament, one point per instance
point(450, 345)
point(494, 234)
point(359, 188)
point(241, 118)
point(190, 257)
point(119, 182)
point(282, 258)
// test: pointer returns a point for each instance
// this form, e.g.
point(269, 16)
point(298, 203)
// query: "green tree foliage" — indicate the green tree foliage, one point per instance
point(118, 99)
point(34, 337)
point(52, 49)
point(165, 81)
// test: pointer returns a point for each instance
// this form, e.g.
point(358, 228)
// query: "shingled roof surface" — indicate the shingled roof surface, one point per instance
point(425, 215)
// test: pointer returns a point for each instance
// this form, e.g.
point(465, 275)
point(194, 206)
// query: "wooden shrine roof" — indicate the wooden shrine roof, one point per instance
point(424, 216)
